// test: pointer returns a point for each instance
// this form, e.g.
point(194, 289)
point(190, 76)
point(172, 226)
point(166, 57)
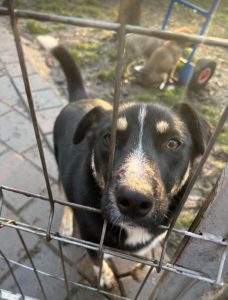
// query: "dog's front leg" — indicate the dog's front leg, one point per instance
point(107, 276)
point(66, 227)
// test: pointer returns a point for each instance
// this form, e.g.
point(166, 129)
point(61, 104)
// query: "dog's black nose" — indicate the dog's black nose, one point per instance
point(132, 204)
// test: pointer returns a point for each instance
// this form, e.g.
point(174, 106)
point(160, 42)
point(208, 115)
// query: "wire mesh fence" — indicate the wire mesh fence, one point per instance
point(47, 233)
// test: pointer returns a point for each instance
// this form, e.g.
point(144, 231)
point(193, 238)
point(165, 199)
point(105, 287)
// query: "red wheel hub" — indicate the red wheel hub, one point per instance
point(204, 75)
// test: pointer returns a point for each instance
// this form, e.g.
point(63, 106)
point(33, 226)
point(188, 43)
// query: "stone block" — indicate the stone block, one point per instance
point(18, 173)
point(122, 266)
point(8, 93)
point(4, 108)
point(130, 286)
point(47, 42)
point(8, 42)
point(3, 147)
point(46, 119)
point(49, 140)
point(14, 69)
point(18, 131)
point(33, 156)
point(11, 245)
point(9, 56)
point(46, 99)
point(36, 83)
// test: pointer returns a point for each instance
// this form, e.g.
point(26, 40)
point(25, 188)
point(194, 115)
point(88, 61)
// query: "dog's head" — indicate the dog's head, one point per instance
point(155, 151)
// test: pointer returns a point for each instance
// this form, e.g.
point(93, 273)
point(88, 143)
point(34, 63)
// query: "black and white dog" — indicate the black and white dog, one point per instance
point(155, 150)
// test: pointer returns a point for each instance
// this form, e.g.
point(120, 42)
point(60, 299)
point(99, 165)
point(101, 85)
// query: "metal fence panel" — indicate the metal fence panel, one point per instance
point(207, 257)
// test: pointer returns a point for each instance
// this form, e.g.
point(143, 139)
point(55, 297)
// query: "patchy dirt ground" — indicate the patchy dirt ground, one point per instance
point(95, 51)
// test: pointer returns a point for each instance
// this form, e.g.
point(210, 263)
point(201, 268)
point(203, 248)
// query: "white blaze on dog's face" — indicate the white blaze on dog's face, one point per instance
point(155, 149)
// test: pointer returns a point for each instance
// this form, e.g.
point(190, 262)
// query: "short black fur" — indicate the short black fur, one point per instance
point(82, 155)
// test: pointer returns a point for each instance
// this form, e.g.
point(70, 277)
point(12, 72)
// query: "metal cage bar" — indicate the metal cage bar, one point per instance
point(122, 30)
point(20, 53)
point(12, 273)
point(210, 41)
point(32, 263)
point(189, 187)
point(64, 269)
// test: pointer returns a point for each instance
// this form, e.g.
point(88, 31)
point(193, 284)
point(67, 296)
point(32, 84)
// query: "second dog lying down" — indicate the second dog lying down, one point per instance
point(161, 64)
point(140, 46)
point(155, 150)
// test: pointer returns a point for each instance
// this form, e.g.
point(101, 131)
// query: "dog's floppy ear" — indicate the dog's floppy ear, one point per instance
point(87, 123)
point(199, 129)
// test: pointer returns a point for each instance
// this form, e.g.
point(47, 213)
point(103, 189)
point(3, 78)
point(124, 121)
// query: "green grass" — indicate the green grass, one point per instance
point(210, 113)
point(168, 97)
point(35, 27)
point(86, 51)
point(76, 56)
point(106, 75)
point(185, 219)
point(79, 8)
point(112, 54)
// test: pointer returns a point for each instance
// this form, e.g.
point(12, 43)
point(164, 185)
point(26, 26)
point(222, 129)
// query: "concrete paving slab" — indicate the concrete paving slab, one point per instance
point(46, 99)
point(37, 213)
point(33, 156)
point(8, 44)
point(8, 92)
point(19, 173)
point(122, 266)
point(15, 69)
point(11, 244)
point(17, 131)
point(49, 140)
point(130, 286)
point(2, 69)
point(4, 108)
point(9, 56)
point(3, 148)
point(46, 119)
point(36, 83)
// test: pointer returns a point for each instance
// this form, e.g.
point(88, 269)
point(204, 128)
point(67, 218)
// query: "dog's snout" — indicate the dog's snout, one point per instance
point(133, 204)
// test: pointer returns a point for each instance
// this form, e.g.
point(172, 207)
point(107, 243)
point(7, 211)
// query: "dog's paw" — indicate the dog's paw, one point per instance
point(67, 224)
point(107, 276)
point(139, 271)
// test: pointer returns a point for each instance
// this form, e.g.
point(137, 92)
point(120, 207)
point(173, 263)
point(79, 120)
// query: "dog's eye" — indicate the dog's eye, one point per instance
point(107, 139)
point(173, 144)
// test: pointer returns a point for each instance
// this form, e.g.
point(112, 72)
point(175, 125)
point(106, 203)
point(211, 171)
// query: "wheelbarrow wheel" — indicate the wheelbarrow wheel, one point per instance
point(204, 70)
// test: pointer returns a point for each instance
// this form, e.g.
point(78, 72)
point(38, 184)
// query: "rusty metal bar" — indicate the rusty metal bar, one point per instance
point(62, 279)
point(193, 180)
point(116, 99)
point(102, 237)
point(64, 269)
point(93, 246)
point(32, 263)
point(16, 34)
point(41, 197)
point(209, 258)
point(100, 271)
point(12, 273)
point(44, 17)
point(202, 236)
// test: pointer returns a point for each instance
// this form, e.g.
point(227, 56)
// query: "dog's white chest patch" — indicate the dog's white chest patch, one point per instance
point(136, 235)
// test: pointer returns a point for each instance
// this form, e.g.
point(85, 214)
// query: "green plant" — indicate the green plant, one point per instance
point(106, 75)
point(35, 27)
